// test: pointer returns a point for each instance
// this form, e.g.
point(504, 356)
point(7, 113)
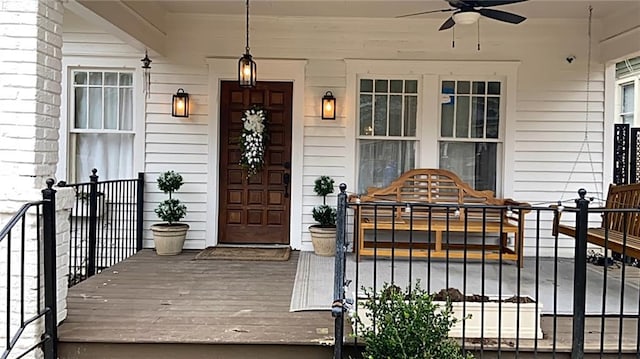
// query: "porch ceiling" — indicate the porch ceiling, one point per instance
point(387, 9)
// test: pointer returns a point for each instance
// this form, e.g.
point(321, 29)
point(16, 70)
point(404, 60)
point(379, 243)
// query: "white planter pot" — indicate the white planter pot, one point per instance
point(473, 327)
point(323, 240)
point(169, 239)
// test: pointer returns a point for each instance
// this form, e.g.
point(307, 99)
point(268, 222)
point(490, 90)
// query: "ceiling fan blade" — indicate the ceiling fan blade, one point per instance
point(425, 12)
point(502, 16)
point(460, 3)
point(490, 3)
point(447, 24)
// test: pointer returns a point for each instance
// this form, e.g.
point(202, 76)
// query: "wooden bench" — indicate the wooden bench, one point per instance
point(438, 202)
point(615, 232)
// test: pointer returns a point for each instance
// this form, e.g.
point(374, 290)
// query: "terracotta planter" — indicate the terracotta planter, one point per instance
point(169, 239)
point(324, 240)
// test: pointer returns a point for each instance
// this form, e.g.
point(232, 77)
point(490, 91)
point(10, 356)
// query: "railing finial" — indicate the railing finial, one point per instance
point(582, 193)
point(50, 182)
point(343, 187)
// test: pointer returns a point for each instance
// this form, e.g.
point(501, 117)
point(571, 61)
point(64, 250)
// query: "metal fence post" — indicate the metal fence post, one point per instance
point(338, 306)
point(580, 275)
point(93, 225)
point(139, 210)
point(50, 283)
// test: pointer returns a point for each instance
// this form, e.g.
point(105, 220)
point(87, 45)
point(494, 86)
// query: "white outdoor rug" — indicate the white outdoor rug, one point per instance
point(313, 287)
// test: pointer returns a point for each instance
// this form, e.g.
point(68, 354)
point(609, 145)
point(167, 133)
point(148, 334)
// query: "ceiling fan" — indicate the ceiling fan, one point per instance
point(468, 11)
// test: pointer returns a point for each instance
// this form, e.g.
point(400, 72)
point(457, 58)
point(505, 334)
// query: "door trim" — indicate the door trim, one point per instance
point(270, 70)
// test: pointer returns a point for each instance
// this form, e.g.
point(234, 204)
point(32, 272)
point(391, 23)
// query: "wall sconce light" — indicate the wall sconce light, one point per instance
point(180, 104)
point(328, 106)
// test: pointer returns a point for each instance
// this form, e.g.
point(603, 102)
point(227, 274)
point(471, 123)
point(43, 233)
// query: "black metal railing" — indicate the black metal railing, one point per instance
point(565, 297)
point(28, 264)
point(106, 224)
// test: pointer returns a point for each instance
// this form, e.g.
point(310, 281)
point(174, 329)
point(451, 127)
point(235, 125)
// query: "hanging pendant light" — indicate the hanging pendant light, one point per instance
point(246, 65)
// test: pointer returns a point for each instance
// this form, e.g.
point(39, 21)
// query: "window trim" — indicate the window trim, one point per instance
point(71, 63)
point(429, 72)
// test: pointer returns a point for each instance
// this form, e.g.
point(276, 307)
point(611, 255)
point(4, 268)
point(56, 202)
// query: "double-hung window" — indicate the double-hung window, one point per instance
point(387, 135)
point(101, 126)
point(470, 139)
point(628, 94)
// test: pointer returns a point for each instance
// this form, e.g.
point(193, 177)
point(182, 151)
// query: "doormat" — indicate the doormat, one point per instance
point(246, 253)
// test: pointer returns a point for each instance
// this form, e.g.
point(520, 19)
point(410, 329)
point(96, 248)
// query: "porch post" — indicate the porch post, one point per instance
point(30, 95)
point(580, 275)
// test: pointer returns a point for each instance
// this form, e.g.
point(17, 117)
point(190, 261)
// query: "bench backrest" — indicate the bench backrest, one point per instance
point(623, 197)
point(433, 186)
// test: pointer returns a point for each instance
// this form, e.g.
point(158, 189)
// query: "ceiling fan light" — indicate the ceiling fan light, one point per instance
point(466, 17)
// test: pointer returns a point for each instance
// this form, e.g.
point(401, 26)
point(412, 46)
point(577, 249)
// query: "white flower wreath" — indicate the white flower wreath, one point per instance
point(253, 140)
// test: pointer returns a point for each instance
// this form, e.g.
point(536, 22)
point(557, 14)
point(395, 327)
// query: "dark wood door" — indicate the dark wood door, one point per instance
point(255, 209)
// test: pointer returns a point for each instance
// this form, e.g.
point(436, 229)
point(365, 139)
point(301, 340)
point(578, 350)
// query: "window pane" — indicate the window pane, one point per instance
point(411, 86)
point(126, 109)
point(395, 116)
point(493, 117)
point(462, 117)
point(475, 163)
point(95, 107)
point(627, 98)
point(111, 154)
point(80, 107)
point(380, 116)
point(126, 79)
point(80, 78)
point(366, 85)
point(111, 108)
point(478, 87)
point(381, 85)
point(448, 87)
point(366, 119)
point(95, 78)
point(396, 86)
point(382, 161)
point(111, 78)
point(410, 114)
point(493, 88)
point(477, 117)
point(464, 87)
point(627, 119)
point(446, 122)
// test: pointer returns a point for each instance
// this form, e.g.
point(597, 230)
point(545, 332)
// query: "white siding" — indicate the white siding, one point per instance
point(168, 143)
point(551, 108)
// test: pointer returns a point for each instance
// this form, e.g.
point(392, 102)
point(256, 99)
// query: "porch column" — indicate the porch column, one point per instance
point(30, 88)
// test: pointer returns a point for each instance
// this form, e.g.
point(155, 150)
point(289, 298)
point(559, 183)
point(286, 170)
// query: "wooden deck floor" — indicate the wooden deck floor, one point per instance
point(150, 300)
point(175, 299)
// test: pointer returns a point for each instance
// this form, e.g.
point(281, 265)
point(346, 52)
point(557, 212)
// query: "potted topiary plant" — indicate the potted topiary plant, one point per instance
point(169, 236)
point(323, 234)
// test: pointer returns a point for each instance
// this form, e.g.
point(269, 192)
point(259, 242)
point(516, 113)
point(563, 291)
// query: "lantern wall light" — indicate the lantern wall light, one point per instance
point(246, 65)
point(180, 104)
point(328, 106)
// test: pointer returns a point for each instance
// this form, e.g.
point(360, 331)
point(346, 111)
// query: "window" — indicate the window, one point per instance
point(101, 127)
point(387, 130)
point(628, 96)
point(470, 131)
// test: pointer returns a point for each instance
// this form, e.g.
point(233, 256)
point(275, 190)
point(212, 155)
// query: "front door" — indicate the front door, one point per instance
point(255, 209)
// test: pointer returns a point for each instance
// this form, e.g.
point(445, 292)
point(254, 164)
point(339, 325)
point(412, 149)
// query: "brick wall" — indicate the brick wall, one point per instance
point(30, 89)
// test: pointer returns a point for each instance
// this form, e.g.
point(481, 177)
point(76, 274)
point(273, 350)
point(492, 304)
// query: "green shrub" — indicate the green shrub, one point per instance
point(170, 210)
point(408, 325)
point(324, 214)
